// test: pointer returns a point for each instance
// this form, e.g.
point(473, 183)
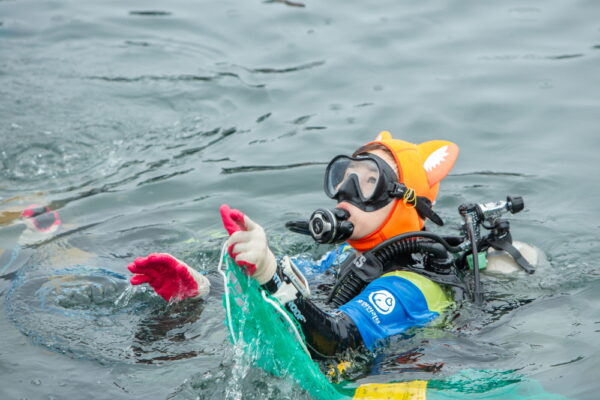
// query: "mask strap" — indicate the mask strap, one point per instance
point(420, 203)
point(423, 206)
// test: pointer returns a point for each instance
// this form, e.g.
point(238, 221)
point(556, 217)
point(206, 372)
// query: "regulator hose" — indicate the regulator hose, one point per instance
point(388, 253)
point(361, 270)
point(347, 288)
point(417, 234)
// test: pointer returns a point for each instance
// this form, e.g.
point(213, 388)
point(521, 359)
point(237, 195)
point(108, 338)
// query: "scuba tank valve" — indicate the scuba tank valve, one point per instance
point(490, 212)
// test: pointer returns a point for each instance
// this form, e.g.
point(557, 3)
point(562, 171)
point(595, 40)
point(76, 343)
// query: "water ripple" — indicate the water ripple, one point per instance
point(568, 362)
point(93, 313)
point(513, 57)
point(262, 118)
point(137, 43)
point(173, 78)
point(564, 56)
point(286, 2)
point(254, 168)
point(492, 173)
point(164, 177)
point(150, 13)
point(194, 150)
point(288, 69)
point(169, 78)
point(36, 161)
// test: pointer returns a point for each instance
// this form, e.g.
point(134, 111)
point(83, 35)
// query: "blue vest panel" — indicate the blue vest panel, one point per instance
point(388, 306)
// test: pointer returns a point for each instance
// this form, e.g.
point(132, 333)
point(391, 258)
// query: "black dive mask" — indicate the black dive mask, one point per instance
point(366, 181)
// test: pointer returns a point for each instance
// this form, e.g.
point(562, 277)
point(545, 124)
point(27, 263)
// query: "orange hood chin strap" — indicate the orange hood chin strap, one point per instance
point(420, 167)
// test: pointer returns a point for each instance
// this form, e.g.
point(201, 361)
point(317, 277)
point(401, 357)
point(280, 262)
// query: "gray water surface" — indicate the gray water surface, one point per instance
point(135, 121)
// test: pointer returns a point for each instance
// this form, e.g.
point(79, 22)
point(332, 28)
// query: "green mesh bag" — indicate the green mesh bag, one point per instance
point(488, 384)
point(271, 339)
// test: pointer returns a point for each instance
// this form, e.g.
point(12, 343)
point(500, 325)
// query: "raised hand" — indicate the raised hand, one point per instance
point(170, 278)
point(247, 244)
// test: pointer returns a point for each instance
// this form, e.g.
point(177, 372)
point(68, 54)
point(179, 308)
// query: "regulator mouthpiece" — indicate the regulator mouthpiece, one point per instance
point(300, 226)
point(330, 226)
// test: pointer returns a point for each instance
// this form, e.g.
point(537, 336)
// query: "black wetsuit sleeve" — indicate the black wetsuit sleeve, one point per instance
point(327, 332)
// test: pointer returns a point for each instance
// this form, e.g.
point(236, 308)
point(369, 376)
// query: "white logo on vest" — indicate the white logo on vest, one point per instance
point(383, 301)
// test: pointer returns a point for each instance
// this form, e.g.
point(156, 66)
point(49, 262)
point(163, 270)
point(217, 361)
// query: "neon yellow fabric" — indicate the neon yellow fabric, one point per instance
point(413, 390)
point(437, 299)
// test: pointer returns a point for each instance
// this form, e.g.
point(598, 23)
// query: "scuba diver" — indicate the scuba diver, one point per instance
point(391, 273)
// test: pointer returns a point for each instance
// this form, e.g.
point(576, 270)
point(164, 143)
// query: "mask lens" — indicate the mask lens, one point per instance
point(367, 173)
point(336, 172)
point(364, 172)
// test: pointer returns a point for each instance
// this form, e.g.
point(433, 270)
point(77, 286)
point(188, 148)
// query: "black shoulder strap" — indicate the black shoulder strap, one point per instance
point(423, 206)
point(514, 253)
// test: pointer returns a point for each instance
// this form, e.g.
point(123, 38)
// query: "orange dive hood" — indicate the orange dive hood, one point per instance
point(420, 167)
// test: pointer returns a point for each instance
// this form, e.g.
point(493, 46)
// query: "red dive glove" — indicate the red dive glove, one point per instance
point(170, 278)
point(247, 245)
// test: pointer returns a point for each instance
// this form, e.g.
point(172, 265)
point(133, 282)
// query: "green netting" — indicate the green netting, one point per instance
point(488, 384)
point(269, 342)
